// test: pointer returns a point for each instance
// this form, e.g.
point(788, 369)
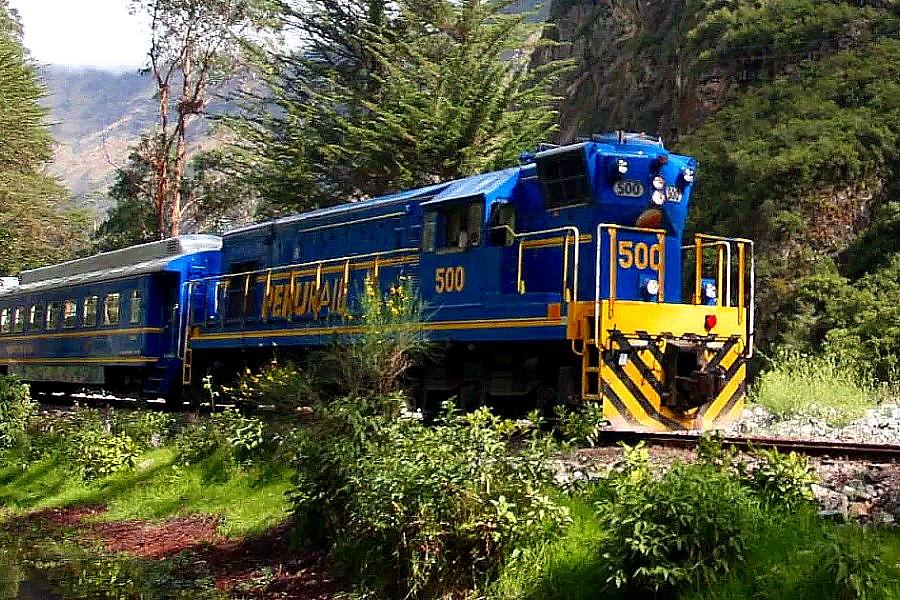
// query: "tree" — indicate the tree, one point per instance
point(194, 44)
point(388, 95)
point(212, 201)
point(33, 225)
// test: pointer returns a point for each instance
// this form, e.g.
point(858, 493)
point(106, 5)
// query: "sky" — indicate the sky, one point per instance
point(91, 33)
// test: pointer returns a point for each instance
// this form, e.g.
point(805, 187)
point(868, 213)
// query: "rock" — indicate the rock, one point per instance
point(833, 515)
point(859, 510)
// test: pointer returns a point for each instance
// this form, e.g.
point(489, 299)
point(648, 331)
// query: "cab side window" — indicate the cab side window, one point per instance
point(453, 227)
point(4, 320)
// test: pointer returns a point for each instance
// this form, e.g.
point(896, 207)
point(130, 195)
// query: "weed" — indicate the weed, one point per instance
point(823, 387)
point(16, 411)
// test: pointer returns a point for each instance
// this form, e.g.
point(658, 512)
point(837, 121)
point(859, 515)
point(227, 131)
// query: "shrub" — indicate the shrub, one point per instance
point(783, 480)
point(16, 411)
point(98, 453)
point(822, 387)
point(149, 429)
point(850, 568)
point(373, 363)
point(581, 426)
point(680, 530)
point(239, 437)
point(281, 384)
point(417, 511)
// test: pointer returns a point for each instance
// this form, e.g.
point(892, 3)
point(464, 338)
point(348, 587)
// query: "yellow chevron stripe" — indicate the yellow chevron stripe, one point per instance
point(84, 333)
point(712, 413)
point(629, 401)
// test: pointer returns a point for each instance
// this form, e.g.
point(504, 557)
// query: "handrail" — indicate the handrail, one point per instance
point(727, 246)
point(613, 268)
point(742, 245)
point(576, 255)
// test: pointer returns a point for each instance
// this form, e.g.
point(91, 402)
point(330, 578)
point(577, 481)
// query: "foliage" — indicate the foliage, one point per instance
point(392, 95)
point(16, 411)
point(148, 429)
point(416, 511)
point(33, 225)
point(823, 387)
point(228, 432)
point(373, 362)
point(684, 529)
point(852, 567)
point(281, 384)
point(783, 480)
point(97, 453)
point(581, 425)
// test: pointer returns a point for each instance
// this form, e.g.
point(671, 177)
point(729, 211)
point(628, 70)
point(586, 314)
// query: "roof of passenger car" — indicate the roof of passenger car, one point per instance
point(128, 262)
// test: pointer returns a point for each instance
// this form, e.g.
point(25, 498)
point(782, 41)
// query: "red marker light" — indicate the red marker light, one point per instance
point(710, 322)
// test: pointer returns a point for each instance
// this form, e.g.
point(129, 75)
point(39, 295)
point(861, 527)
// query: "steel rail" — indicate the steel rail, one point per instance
point(819, 448)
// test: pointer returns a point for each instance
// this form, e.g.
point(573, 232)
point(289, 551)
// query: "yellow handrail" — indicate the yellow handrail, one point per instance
point(613, 269)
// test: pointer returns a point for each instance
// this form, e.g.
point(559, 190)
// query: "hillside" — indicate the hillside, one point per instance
point(96, 116)
point(790, 106)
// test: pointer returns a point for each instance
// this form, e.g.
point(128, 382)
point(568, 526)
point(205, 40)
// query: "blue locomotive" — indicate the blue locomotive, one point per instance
point(557, 280)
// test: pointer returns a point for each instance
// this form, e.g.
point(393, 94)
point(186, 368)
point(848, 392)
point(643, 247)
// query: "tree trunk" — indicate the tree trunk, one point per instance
point(161, 160)
point(185, 108)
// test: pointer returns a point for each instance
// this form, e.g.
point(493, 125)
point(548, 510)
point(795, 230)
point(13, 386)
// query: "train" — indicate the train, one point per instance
point(567, 278)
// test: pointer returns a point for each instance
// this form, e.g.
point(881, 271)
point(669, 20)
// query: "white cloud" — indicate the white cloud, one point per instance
point(97, 33)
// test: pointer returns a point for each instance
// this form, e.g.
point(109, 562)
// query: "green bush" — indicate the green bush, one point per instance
point(783, 480)
point(581, 426)
point(16, 411)
point(822, 387)
point(851, 568)
point(238, 437)
point(282, 384)
point(149, 429)
point(97, 453)
point(417, 511)
point(678, 531)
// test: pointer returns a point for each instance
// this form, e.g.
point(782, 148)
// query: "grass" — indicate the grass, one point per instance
point(822, 387)
point(789, 557)
point(249, 500)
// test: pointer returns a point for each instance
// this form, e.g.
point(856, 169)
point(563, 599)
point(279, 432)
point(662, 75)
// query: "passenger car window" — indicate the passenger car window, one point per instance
point(4, 320)
point(136, 307)
point(36, 318)
point(18, 324)
point(70, 316)
point(54, 315)
point(89, 312)
point(111, 309)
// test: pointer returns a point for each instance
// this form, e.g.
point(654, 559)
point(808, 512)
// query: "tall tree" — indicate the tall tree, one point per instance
point(33, 226)
point(194, 44)
point(386, 95)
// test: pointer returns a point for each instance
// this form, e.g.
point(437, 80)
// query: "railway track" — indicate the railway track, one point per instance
point(838, 450)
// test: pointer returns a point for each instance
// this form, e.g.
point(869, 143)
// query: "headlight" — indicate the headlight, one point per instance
point(652, 287)
point(658, 198)
point(622, 166)
point(688, 175)
point(659, 182)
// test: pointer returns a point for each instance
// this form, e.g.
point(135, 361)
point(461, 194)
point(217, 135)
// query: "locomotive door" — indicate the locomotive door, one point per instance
point(457, 265)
